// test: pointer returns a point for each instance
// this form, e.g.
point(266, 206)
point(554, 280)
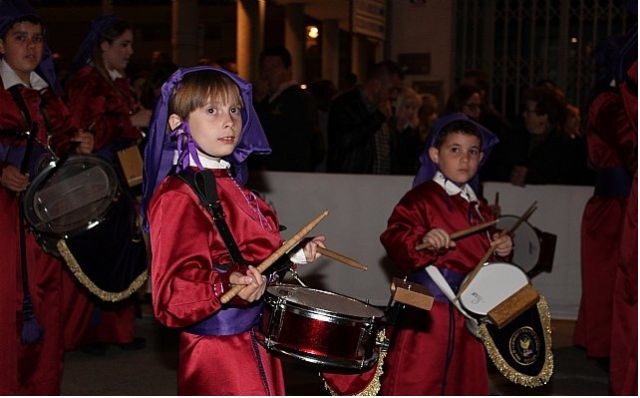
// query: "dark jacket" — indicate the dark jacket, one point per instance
point(351, 129)
point(290, 122)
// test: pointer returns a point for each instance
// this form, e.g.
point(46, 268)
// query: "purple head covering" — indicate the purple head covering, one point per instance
point(160, 149)
point(98, 26)
point(12, 10)
point(428, 168)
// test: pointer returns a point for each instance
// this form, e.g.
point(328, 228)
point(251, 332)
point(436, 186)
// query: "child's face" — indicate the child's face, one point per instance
point(22, 48)
point(216, 127)
point(458, 157)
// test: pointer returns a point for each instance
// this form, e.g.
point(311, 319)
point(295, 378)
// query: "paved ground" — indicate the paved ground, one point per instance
point(152, 370)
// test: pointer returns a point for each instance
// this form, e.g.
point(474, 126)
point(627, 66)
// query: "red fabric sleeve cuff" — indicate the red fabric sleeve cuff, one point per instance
point(221, 284)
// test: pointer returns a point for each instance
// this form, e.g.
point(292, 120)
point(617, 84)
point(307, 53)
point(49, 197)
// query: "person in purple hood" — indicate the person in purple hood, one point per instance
point(443, 200)
point(204, 125)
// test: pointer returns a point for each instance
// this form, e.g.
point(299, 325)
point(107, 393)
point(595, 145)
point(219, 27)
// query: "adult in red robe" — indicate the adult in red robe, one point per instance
point(623, 371)
point(184, 249)
point(102, 102)
point(30, 363)
point(611, 141)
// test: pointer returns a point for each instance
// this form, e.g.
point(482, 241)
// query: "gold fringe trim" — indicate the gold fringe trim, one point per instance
point(374, 386)
point(509, 372)
point(103, 295)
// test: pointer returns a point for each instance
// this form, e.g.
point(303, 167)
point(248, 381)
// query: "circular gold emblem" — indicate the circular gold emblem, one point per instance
point(524, 345)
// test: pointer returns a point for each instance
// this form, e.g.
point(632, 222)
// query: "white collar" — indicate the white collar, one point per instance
point(208, 162)
point(10, 78)
point(452, 189)
point(114, 74)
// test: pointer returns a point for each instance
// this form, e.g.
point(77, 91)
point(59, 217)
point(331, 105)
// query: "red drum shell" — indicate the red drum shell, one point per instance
point(320, 327)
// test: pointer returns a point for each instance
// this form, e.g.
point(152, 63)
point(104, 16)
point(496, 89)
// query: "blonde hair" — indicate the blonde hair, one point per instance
point(197, 88)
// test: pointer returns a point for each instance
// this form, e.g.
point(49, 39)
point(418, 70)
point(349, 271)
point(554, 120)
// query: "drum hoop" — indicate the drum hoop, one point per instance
point(325, 316)
point(318, 360)
point(321, 312)
point(48, 172)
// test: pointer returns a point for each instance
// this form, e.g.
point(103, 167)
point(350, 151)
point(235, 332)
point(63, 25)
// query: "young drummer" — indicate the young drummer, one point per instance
point(209, 114)
point(30, 298)
point(433, 353)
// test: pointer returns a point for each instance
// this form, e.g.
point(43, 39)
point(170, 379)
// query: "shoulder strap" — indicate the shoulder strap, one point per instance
point(204, 186)
point(31, 128)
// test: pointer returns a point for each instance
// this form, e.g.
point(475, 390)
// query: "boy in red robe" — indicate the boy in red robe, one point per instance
point(433, 353)
point(30, 301)
point(209, 116)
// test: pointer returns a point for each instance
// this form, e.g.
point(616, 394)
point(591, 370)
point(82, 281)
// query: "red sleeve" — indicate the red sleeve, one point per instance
point(181, 268)
point(608, 120)
point(408, 223)
point(97, 106)
point(63, 126)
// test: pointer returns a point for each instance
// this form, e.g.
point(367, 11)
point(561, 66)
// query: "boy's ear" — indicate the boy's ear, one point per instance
point(481, 157)
point(434, 154)
point(1, 46)
point(104, 46)
point(174, 121)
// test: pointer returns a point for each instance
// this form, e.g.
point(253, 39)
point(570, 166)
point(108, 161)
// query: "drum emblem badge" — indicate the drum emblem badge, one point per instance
point(524, 345)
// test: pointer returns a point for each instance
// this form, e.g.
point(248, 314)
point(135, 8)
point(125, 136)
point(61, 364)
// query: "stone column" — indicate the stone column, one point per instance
point(184, 32)
point(294, 38)
point(250, 37)
point(331, 50)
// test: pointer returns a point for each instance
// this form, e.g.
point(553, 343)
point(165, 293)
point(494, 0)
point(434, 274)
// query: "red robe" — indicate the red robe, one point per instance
point(623, 371)
point(185, 246)
point(611, 141)
point(103, 107)
point(417, 356)
point(34, 369)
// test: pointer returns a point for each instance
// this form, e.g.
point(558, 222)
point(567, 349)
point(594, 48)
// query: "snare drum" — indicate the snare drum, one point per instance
point(320, 327)
point(78, 210)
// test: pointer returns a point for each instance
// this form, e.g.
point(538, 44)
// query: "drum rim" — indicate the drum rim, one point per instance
point(536, 233)
point(44, 175)
point(325, 311)
point(364, 363)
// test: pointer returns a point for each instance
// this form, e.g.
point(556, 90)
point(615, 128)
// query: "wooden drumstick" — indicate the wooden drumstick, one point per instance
point(461, 233)
point(524, 217)
point(487, 254)
point(288, 245)
point(341, 258)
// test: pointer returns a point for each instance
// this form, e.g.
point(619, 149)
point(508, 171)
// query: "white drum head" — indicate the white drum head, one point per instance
point(526, 243)
point(494, 283)
point(326, 301)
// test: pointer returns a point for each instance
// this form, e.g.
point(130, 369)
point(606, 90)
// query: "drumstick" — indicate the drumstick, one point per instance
point(524, 217)
point(487, 254)
point(294, 240)
point(341, 258)
point(461, 233)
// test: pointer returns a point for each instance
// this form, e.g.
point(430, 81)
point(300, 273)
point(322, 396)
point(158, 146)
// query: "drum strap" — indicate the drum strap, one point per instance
point(204, 185)
point(31, 128)
point(31, 329)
